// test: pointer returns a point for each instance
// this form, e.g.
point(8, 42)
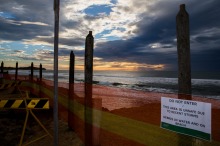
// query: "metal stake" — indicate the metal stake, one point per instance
point(56, 40)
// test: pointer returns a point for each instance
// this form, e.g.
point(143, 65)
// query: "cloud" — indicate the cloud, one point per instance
point(207, 60)
point(155, 40)
point(133, 31)
point(28, 19)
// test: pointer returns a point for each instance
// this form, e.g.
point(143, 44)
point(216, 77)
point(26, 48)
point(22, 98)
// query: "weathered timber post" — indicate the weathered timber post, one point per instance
point(1, 74)
point(184, 65)
point(89, 44)
point(16, 71)
point(71, 92)
point(2, 67)
point(40, 72)
point(32, 71)
point(40, 81)
point(183, 49)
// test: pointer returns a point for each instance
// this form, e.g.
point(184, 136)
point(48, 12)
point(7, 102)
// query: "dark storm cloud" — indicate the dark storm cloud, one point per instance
point(31, 10)
point(162, 29)
point(25, 20)
point(16, 31)
point(64, 41)
point(66, 52)
point(15, 28)
point(207, 60)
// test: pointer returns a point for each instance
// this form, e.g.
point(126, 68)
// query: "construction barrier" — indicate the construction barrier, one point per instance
point(10, 85)
point(33, 103)
point(28, 104)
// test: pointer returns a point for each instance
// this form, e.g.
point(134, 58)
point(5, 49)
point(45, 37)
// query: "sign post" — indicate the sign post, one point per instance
point(56, 42)
point(186, 117)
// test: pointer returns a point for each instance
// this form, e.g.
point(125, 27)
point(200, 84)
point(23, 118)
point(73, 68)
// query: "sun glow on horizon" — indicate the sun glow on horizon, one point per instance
point(117, 66)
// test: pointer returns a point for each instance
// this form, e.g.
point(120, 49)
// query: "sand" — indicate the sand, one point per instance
point(138, 105)
point(11, 124)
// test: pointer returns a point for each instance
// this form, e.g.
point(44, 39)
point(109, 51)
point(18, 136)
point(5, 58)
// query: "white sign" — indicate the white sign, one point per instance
point(187, 117)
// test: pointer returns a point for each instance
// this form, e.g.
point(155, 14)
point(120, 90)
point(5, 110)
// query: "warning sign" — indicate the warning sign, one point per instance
point(187, 117)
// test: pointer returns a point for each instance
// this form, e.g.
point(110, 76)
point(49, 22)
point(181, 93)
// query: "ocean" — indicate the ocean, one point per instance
point(205, 84)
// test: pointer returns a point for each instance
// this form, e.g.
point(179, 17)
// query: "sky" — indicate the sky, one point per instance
point(129, 35)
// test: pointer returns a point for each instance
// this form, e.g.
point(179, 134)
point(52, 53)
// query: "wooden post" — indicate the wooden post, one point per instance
point(89, 44)
point(2, 67)
point(16, 71)
point(183, 49)
point(32, 71)
point(184, 65)
point(71, 91)
point(40, 94)
point(71, 68)
point(40, 72)
point(1, 74)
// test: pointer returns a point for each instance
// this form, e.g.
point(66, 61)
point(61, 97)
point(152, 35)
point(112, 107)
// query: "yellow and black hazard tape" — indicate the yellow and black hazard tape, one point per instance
point(9, 85)
point(33, 103)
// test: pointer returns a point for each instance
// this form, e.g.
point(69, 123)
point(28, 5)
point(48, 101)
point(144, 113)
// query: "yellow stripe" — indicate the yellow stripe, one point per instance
point(2, 86)
point(17, 103)
point(46, 106)
point(11, 84)
point(135, 130)
point(2, 103)
point(33, 103)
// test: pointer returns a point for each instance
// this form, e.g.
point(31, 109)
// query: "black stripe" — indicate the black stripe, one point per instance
point(6, 85)
point(19, 83)
point(13, 84)
point(28, 101)
point(9, 103)
point(41, 103)
point(22, 105)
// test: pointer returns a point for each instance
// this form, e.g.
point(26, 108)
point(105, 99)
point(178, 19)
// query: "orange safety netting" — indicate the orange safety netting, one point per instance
point(143, 107)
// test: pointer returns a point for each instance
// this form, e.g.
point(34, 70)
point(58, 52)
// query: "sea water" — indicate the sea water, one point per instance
point(206, 84)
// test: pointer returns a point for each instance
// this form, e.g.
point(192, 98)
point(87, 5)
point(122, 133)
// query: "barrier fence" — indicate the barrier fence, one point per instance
point(111, 116)
point(119, 116)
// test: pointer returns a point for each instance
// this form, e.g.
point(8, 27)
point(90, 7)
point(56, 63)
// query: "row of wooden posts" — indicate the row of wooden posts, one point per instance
point(184, 69)
point(16, 70)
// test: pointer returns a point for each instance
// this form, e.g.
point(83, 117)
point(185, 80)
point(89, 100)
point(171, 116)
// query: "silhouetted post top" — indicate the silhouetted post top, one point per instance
point(182, 10)
point(90, 34)
point(71, 53)
point(2, 66)
point(182, 7)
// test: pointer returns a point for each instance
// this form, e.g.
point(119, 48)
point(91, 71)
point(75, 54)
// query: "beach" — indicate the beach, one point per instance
point(123, 105)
